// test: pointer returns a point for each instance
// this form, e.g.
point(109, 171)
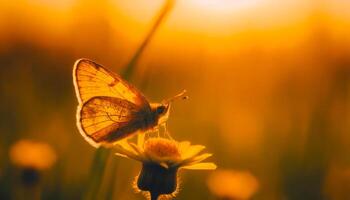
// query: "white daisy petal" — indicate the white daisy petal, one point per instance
point(120, 151)
point(166, 153)
point(196, 159)
point(183, 146)
point(136, 148)
point(192, 151)
point(201, 166)
point(126, 145)
point(140, 139)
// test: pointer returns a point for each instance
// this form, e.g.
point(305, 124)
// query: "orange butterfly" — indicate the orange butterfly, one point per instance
point(111, 109)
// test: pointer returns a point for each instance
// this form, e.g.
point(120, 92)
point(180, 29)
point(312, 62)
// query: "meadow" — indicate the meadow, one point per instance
point(268, 87)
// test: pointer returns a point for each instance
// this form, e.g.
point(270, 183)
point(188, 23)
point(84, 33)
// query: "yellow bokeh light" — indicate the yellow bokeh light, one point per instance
point(32, 154)
point(231, 184)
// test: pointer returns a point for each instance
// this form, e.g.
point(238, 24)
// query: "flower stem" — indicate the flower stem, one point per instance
point(154, 195)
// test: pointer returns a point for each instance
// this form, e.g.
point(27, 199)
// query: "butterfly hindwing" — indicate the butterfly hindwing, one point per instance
point(101, 117)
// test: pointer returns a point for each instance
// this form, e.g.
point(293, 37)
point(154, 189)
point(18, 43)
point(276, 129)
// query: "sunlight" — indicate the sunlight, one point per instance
point(223, 5)
point(194, 15)
point(213, 17)
point(55, 4)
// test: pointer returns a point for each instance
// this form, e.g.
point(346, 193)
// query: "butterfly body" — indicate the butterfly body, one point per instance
point(110, 109)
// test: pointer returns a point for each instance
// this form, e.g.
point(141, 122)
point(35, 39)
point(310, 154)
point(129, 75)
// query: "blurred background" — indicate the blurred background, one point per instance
point(268, 83)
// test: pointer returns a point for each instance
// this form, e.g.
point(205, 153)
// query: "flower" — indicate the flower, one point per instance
point(161, 159)
point(31, 157)
point(232, 185)
point(32, 154)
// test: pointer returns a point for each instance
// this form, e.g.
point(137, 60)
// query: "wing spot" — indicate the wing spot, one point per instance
point(112, 83)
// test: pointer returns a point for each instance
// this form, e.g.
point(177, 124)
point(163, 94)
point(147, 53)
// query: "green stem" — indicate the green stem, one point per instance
point(112, 181)
point(130, 67)
point(96, 173)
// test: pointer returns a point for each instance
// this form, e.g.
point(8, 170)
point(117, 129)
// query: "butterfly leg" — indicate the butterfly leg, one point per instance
point(158, 134)
point(155, 131)
point(165, 131)
point(168, 134)
point(141, 138)
point(162, 130)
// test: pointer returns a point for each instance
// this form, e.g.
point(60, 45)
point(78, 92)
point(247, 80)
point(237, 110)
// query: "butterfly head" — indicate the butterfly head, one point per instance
point(162, 110)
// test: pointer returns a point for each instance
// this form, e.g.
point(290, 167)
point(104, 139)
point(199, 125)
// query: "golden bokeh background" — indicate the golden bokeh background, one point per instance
point(268, 83)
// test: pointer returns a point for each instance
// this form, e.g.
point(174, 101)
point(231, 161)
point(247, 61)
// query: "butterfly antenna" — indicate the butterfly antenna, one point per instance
point(178, 96)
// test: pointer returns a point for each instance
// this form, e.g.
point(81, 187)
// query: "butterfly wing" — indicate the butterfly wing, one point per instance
point(92, 79)
point(108, 119)
point(108, 105)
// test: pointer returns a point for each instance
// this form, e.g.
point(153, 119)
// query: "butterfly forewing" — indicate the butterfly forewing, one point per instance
point(92, 79)
point(109, 108)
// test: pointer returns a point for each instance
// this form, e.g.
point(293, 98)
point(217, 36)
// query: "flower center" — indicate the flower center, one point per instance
point(162, 148)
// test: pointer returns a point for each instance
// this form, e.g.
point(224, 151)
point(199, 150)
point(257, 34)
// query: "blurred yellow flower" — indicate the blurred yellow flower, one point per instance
point(232, 185)
point(161, 158)
point(32, 154)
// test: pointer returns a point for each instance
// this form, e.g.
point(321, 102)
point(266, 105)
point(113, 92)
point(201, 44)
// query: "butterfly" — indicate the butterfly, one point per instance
point(110, 109)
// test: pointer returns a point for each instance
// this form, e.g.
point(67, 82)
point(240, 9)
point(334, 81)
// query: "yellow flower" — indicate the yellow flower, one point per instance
point(161, 158)
point(31, 154)
point(232, 185)
point(31, 157)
